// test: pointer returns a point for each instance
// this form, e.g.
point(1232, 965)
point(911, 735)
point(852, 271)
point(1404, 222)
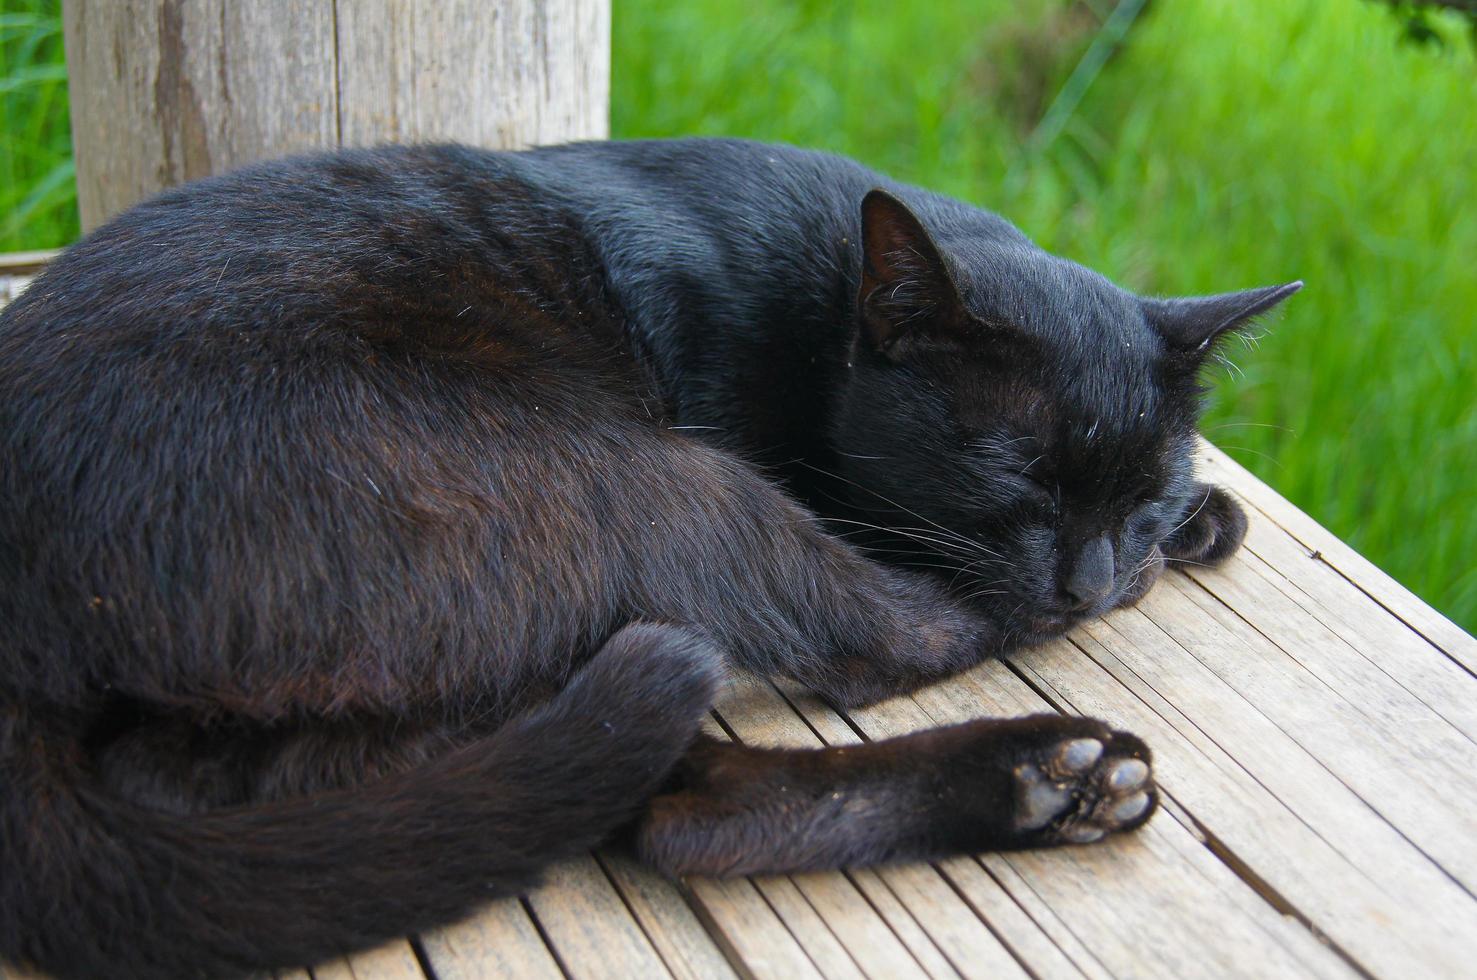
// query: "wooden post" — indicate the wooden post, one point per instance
point(165, 91)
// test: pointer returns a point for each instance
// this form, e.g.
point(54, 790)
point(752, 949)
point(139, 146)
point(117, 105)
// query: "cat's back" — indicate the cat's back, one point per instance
point(274, 382)
point(294, 244)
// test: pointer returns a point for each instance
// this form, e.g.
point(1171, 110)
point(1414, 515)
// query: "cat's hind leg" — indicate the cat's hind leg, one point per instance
point(980, 786)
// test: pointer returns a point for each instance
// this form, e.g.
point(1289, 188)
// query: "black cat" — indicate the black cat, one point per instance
point(377, 527)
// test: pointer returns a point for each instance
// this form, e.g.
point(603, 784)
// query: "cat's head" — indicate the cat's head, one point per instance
point(1025, 427)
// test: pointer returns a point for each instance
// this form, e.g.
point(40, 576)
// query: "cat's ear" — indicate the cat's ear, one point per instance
point(906, 285)
point(1192, 326)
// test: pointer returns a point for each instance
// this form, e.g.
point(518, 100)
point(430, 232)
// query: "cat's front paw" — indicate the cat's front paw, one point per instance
point(1211, 532)
point(1079, 788)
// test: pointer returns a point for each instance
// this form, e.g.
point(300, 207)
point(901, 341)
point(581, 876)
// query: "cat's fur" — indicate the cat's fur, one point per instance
point(376, 528)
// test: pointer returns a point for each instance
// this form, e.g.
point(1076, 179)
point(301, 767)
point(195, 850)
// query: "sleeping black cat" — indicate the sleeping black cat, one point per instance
point(377, 528)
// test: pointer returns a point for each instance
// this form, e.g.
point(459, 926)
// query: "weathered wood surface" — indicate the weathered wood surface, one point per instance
point(1315, 731)
point(164, 91)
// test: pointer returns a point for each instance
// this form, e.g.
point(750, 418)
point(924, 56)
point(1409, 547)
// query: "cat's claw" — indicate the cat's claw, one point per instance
point(1082, 791)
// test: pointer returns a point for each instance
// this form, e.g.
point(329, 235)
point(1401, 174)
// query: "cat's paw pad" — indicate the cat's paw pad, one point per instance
point(1079, 790)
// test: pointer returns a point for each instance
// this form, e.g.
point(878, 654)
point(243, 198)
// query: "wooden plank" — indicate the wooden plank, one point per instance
point(1088, 689)
point(1403, 683)
point(392, 961)
point(753, 936)
point(17, 269)
point(1404, 679)
point(516, 73)
point(1406, 763)
point(589, 928)
point(1036, 934)
point(1369, 629)
point(1028, 927)
point(901, 912)
point(668, 921)
point(499, 941)
point(1269, 804)
point(757, 714)
point(26, 263)
point(967, 917)
point(750, 932)
point(810, 930)
point(164, 91)
point(1215, 465)
point(1129, 903)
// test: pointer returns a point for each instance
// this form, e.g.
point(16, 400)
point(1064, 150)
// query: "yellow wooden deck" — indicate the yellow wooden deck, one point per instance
point(1315, 734)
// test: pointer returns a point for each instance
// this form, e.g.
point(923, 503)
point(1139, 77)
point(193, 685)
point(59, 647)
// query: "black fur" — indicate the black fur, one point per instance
point(334, 492)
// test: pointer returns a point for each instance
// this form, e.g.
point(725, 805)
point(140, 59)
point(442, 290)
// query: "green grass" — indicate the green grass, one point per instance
point(1228, 144)
point(38, 196)
point(1231, 143)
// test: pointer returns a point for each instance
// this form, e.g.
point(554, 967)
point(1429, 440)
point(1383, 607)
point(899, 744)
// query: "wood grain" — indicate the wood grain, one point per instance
point(164, 91)
point(392, 961)
point(508, 74)
point(589, 928)
point(499, 941)
point(1324, 546)
point(668, 921)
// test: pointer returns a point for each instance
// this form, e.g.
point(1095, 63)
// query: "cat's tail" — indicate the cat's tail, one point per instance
point(91, 885)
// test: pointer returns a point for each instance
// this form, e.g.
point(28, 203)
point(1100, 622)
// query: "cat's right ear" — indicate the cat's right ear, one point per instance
point(1192, 326)
point(906, 286)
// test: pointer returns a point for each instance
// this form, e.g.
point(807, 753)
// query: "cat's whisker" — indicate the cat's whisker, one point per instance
point(1251, 425)
point(966, 569)
point(921, 564)
point(1133, 579)
point(894, 503)
point(1247, 449)
point(968, 542)
point(957, 544)
point(937, 548)
point(1193, 514)
point(955, 541)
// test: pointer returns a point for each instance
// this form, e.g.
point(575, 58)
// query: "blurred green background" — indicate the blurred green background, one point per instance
point(1199, 146)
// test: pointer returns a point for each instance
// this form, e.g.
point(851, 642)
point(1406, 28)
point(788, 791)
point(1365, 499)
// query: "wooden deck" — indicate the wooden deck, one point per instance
point(1315, 733)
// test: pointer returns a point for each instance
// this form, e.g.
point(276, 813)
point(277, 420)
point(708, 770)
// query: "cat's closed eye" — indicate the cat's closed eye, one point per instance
point(1147, 521)
point(1038, 482)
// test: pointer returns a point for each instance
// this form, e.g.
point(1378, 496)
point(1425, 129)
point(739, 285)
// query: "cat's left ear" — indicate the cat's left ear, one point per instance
point(1192, 326)
point(906, 286)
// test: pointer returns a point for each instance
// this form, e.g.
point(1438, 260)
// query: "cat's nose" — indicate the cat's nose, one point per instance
point(1092, 573)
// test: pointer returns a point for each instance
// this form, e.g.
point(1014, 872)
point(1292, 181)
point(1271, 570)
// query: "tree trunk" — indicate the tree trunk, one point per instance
point(164, 91)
